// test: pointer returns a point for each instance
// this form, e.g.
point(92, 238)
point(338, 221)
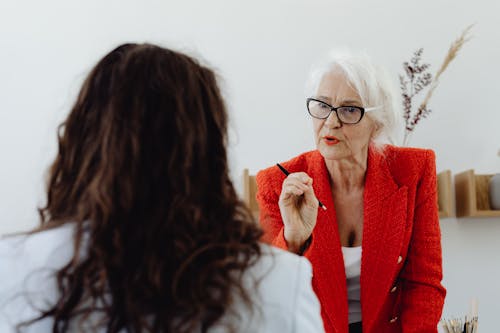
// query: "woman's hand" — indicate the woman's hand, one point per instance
point(299, 209)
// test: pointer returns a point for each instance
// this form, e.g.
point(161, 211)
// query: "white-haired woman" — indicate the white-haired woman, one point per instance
point(376, 249)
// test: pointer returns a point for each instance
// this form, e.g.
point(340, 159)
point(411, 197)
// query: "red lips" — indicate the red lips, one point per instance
point(330, 140)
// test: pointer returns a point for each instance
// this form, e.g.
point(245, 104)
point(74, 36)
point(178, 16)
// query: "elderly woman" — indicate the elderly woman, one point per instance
point(375, 249)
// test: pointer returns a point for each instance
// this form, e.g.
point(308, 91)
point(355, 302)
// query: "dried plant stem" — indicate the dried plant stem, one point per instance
point(423, 110)
point(452, 53)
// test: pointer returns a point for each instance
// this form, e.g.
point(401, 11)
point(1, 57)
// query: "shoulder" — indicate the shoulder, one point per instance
point(281, 274)
point(278, 284)
point(38, 249)
point(27, 267)
point(272, 176)
point(279, 262)
point(408, 163)
point(24, 254)
point(409, 154)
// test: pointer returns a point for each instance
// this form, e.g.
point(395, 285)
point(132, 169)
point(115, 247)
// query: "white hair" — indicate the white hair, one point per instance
point(374, 86)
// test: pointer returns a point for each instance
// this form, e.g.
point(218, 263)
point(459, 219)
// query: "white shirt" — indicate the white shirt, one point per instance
point(352, 263)
point(284, 300)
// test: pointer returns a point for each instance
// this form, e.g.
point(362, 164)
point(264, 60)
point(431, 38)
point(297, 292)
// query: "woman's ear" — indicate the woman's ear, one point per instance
point(376, 128)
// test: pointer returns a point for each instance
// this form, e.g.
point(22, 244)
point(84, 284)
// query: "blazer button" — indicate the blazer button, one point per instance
point(400, 259)
point(394, 289)
point(393, 320)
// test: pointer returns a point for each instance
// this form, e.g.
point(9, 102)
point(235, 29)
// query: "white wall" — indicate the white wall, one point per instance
point(264, 50)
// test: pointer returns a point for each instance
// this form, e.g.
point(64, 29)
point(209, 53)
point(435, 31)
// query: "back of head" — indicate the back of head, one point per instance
point(142, 172)
point(374, 86)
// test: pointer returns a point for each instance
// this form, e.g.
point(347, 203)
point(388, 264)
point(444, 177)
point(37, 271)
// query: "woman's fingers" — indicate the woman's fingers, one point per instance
point(294, 183)
point(299, 209)
point(310, 197)
point(301, 177)
point(298, 184)
point(294, 190)
point(300, 180)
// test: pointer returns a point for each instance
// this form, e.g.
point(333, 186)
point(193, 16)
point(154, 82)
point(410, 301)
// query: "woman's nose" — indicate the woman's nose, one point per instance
point(333, 120)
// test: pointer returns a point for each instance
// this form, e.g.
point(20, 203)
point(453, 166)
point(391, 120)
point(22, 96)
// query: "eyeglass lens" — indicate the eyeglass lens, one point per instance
point(346, 114)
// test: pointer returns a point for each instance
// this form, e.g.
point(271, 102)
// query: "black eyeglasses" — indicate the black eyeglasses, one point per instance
point(346, 114)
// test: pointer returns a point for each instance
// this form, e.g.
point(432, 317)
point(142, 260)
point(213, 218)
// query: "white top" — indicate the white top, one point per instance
point(284, 300)
point(352, 263)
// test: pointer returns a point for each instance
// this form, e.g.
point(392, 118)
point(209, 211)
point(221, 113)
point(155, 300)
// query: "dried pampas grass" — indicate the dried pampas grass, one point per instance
point(423, 111)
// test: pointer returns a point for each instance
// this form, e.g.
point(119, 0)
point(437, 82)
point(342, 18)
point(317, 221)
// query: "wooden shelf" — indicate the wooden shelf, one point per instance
point(444, 194)
point(249, 192)
point(472, 195)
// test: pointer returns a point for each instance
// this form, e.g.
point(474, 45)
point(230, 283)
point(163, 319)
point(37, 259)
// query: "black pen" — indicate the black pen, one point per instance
point(285, 171)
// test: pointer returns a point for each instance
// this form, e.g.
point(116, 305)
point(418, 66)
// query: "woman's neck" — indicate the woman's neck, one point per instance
point(348, 174)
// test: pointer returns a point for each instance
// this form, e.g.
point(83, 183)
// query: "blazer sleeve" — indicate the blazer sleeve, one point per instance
point(268, 192)
point(306, 308)
point(423, 295)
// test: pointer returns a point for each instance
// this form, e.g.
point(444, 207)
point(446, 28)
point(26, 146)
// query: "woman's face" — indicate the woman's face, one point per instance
point(334, 140)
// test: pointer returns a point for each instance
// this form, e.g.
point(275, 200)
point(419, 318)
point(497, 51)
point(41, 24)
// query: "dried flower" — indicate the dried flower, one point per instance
point(418, 78)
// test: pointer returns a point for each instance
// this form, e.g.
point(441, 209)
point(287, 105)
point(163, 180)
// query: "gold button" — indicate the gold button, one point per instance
point(394, 289)
point(393, 320)
point(400, 259)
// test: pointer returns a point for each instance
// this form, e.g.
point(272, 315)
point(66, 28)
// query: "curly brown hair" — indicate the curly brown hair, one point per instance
point(142, 172)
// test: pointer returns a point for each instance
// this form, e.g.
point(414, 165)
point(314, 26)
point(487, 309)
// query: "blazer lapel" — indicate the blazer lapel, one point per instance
point(385, 206)
point(326, 257)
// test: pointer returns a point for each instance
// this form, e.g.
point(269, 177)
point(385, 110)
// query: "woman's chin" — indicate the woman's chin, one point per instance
point(331, 152)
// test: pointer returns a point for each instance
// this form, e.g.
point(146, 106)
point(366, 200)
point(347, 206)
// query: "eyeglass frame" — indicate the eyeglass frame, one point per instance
point(332, 109)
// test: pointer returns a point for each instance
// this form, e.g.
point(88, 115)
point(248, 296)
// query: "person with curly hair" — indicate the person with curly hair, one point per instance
point(142, 230)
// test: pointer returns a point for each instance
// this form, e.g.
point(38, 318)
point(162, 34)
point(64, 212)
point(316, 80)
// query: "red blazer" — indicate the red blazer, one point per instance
point(401, 268)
